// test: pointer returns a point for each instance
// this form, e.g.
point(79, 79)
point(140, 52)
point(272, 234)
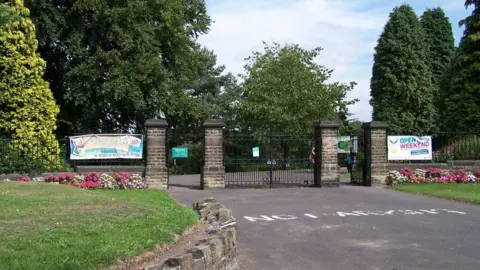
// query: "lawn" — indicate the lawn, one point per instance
point(458, 192)
point(49, 226)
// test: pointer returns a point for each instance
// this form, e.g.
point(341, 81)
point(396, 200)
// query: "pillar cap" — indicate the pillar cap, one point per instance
point(328, 124)
point(214, 123)
point(156, 123)
point(375, 125)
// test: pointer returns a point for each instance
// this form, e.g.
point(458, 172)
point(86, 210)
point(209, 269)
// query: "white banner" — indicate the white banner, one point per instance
point(409, 148)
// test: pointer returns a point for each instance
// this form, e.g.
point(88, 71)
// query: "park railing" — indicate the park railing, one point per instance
point(448, 147)
point(35, 156)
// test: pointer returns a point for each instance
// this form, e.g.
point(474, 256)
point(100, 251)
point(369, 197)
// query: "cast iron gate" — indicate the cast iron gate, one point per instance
point(357, 151)
point(273, 160)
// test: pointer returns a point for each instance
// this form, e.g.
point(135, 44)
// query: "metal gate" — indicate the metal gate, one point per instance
point(357, 152)
point(273, 160)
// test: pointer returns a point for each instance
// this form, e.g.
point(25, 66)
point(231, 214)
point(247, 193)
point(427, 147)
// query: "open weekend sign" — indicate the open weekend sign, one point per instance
point(409, 148)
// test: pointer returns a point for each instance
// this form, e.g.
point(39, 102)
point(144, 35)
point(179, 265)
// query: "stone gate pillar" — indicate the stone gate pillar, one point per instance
point(156, 170)
point(213, 173)
point(375, 153)
point(326, 159)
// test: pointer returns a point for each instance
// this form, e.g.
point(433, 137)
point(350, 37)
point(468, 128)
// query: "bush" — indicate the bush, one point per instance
point(93, 180)
point(431, 175)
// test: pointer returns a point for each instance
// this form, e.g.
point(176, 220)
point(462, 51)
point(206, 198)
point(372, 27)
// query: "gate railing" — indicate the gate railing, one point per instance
point(268, 161)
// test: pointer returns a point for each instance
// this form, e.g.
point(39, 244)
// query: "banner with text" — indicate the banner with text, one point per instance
point(409, 148)
point(106, 146)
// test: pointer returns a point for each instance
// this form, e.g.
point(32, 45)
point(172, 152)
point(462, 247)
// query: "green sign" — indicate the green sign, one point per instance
point(179, 152)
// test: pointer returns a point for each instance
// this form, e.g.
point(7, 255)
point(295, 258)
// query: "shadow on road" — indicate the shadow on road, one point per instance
point(184, 181)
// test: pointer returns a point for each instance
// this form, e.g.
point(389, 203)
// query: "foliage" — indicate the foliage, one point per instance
point(285, 90)
point(431, 175)
point(114, 64)
point(28, 110)
point(401, 76)
point(440, 42)
point(49, 226)
point(93, 180)
point(461, 100)
point(191, 165)
point(7, 14)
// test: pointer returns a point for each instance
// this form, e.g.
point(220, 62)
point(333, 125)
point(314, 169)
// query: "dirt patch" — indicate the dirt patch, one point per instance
point(182, 242)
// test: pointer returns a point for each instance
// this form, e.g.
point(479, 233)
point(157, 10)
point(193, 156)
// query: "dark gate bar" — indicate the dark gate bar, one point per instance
point(282, 161)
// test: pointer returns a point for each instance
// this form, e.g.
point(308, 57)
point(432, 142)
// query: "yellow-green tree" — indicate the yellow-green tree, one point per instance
point(27, 108)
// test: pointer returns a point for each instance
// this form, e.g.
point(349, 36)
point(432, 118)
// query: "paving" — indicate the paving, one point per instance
point(345, 228)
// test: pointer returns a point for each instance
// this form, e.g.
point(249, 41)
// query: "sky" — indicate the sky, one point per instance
point(347, 30)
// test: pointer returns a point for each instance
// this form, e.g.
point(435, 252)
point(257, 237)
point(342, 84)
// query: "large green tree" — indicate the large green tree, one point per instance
point(401, 84)
point(114, 64)
point(461, 100)
point(27, 108)
point(285, 90)
point(440, 42)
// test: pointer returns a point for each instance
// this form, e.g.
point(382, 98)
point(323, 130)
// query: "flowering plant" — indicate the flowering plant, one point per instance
point(24, 178)
point(92, 176)
point(52, 178)
point(93, 180)
point(431, 175)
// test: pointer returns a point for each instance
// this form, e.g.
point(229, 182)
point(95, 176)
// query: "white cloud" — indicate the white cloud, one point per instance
point(347, 30)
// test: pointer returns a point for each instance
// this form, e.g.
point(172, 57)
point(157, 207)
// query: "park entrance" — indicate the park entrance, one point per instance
point(268, 161)
point(357, 152)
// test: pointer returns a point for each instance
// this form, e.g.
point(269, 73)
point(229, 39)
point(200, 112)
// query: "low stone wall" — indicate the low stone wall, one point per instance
point(217, 251)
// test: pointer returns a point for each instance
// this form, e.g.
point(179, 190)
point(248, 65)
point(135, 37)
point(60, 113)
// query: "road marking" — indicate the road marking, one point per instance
point(431, 211)
point(455, 212)
point(265, 218)
point(354, 214)
point(390, 212)
point(285, 217)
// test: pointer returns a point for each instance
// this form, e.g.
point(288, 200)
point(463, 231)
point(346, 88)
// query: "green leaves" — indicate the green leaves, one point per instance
point(460, 96)
point(114, 64)
point(401, 84)
point(285, 90)
point(28, 110)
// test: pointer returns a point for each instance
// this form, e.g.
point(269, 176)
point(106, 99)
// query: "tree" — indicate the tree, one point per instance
point(285, 90)
point(28, 110)
point(440, 42)
point(114, 64)
point(401, 84)
point(461, 100)
point(6, 14)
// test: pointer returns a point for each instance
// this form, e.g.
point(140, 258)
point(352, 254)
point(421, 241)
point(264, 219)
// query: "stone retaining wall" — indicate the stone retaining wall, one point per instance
point(218, 251)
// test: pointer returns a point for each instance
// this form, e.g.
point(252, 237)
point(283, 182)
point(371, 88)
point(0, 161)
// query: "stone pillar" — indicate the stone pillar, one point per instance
point(326, 159)
point(213, 174)
point(156, 172)
point(376, 164)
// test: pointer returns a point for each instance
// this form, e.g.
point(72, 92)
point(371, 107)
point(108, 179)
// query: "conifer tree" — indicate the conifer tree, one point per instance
point(401, 84)
point(28, 110)
point(461, 100)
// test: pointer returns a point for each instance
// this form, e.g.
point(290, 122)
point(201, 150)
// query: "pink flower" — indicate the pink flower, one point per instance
point(24, 178)
point(92, 176)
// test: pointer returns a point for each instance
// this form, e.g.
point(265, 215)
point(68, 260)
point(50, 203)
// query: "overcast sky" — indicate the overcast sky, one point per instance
point(347, 30)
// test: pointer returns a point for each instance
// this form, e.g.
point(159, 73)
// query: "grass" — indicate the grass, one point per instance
point(458, 192)
point(48, 226)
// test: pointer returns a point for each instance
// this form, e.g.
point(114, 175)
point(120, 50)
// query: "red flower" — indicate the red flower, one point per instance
point(24, 178)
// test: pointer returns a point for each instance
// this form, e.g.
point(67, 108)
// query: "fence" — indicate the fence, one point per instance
point(450, 147)
point(35, 156)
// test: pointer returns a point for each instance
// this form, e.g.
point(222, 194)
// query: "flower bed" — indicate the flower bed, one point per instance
point(432, 175)
point(92, 180)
